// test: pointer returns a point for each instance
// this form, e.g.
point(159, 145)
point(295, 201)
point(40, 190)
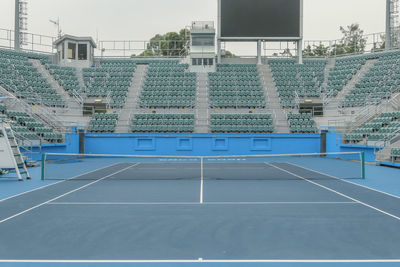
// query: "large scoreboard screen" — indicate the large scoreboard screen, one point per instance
point(260, 19)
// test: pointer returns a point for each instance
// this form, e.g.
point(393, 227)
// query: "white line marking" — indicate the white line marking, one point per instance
point(334, 191)
point(203, 260)
point(346, 181)
point(201, 179)
point(65, 194)
point(42, 187)
point(197, 203)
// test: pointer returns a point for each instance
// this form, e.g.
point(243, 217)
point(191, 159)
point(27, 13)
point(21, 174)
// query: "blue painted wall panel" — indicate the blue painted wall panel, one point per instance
point(71, 145)
point(201, 144)
point(334, 144)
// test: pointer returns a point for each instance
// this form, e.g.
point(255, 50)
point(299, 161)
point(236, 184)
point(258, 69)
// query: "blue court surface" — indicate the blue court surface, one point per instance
point(216, 214)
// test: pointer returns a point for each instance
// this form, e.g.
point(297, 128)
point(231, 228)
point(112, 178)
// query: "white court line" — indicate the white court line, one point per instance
point(197, 203)
point(72, 178)
point(204, 260)
point(334, 191)
point(65, 194)
point(385, 193)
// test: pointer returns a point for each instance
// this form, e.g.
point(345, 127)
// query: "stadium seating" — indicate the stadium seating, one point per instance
point(20, 77)
point(168, 85)
point(343, 72)
point(241, 123)
point(160, 123)
point(3, 109)
point(301, 123)
point(66, 77)
point(382, 128)
point(112, 80)
point(293, 79)
point(103, 122)
point(27, 127)
point(395, 153)
point(236, 86)
point(379, 83)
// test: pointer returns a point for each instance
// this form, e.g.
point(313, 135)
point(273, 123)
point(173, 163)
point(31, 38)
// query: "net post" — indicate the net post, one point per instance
point(363, 165)
point(43, 161)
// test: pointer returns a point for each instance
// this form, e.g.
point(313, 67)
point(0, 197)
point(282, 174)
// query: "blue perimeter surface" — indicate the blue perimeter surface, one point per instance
point(379, 178)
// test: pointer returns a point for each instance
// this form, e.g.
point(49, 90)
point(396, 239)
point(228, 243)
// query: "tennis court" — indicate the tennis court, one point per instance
point(200, 209)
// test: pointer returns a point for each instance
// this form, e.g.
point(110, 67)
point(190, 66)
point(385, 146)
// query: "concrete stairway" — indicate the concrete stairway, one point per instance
point(202, 104)
point(132, 101)
point(384, 154)
point(43, 114)
point(50, 79)
point(72, 115)
point(331, 107)
point(280, 122)
point(329, 65)
point(79, 74)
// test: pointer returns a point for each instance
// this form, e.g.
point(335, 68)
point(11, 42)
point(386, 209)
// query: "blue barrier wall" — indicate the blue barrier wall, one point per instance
point(334, 144)
point(201, 144)
point(71, 145)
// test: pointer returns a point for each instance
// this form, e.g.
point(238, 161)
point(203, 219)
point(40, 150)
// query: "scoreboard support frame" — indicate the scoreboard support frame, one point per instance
point(259, 40)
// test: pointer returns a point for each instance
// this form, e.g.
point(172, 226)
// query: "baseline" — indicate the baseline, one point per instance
point(337, 192)
point(353, 183)
point(197, 203)
point(58, 182)
point(202, 260)
point(65, 194)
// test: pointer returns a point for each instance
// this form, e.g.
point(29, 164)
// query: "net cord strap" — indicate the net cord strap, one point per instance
point(205, 157)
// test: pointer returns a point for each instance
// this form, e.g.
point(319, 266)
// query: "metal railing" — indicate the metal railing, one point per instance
point(41, 113)
point(371, 111)
point(27, 146)
point(385, 153)
point(34, 42)
point(77, 97)
point(173, 48)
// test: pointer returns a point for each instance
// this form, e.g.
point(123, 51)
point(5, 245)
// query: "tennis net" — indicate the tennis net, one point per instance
point(315, 166)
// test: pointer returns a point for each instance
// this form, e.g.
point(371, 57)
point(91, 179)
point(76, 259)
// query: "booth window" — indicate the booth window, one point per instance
point(71, 51)
point(82, 51)
point(63, 50)
point(196, 61)
point(202, 40)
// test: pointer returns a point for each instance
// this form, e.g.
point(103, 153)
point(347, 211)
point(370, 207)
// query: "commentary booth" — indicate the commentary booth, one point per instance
point(75, 51)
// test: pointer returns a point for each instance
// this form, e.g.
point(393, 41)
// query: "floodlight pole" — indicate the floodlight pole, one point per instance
point(259, 52)
point(388, 43)
point(17, 43)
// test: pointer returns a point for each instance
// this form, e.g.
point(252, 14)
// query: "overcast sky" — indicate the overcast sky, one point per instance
point(142, 19)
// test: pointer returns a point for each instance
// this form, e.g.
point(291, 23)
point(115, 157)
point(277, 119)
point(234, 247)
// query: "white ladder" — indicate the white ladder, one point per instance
point(10, 154)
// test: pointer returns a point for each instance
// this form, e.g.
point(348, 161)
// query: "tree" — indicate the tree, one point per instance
point(380, 45)
point(169, 44)
point(353, 40)
point(316, 50)
point(321, 50)
point(308, 51)
point(229, 54)
point(286, 52)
